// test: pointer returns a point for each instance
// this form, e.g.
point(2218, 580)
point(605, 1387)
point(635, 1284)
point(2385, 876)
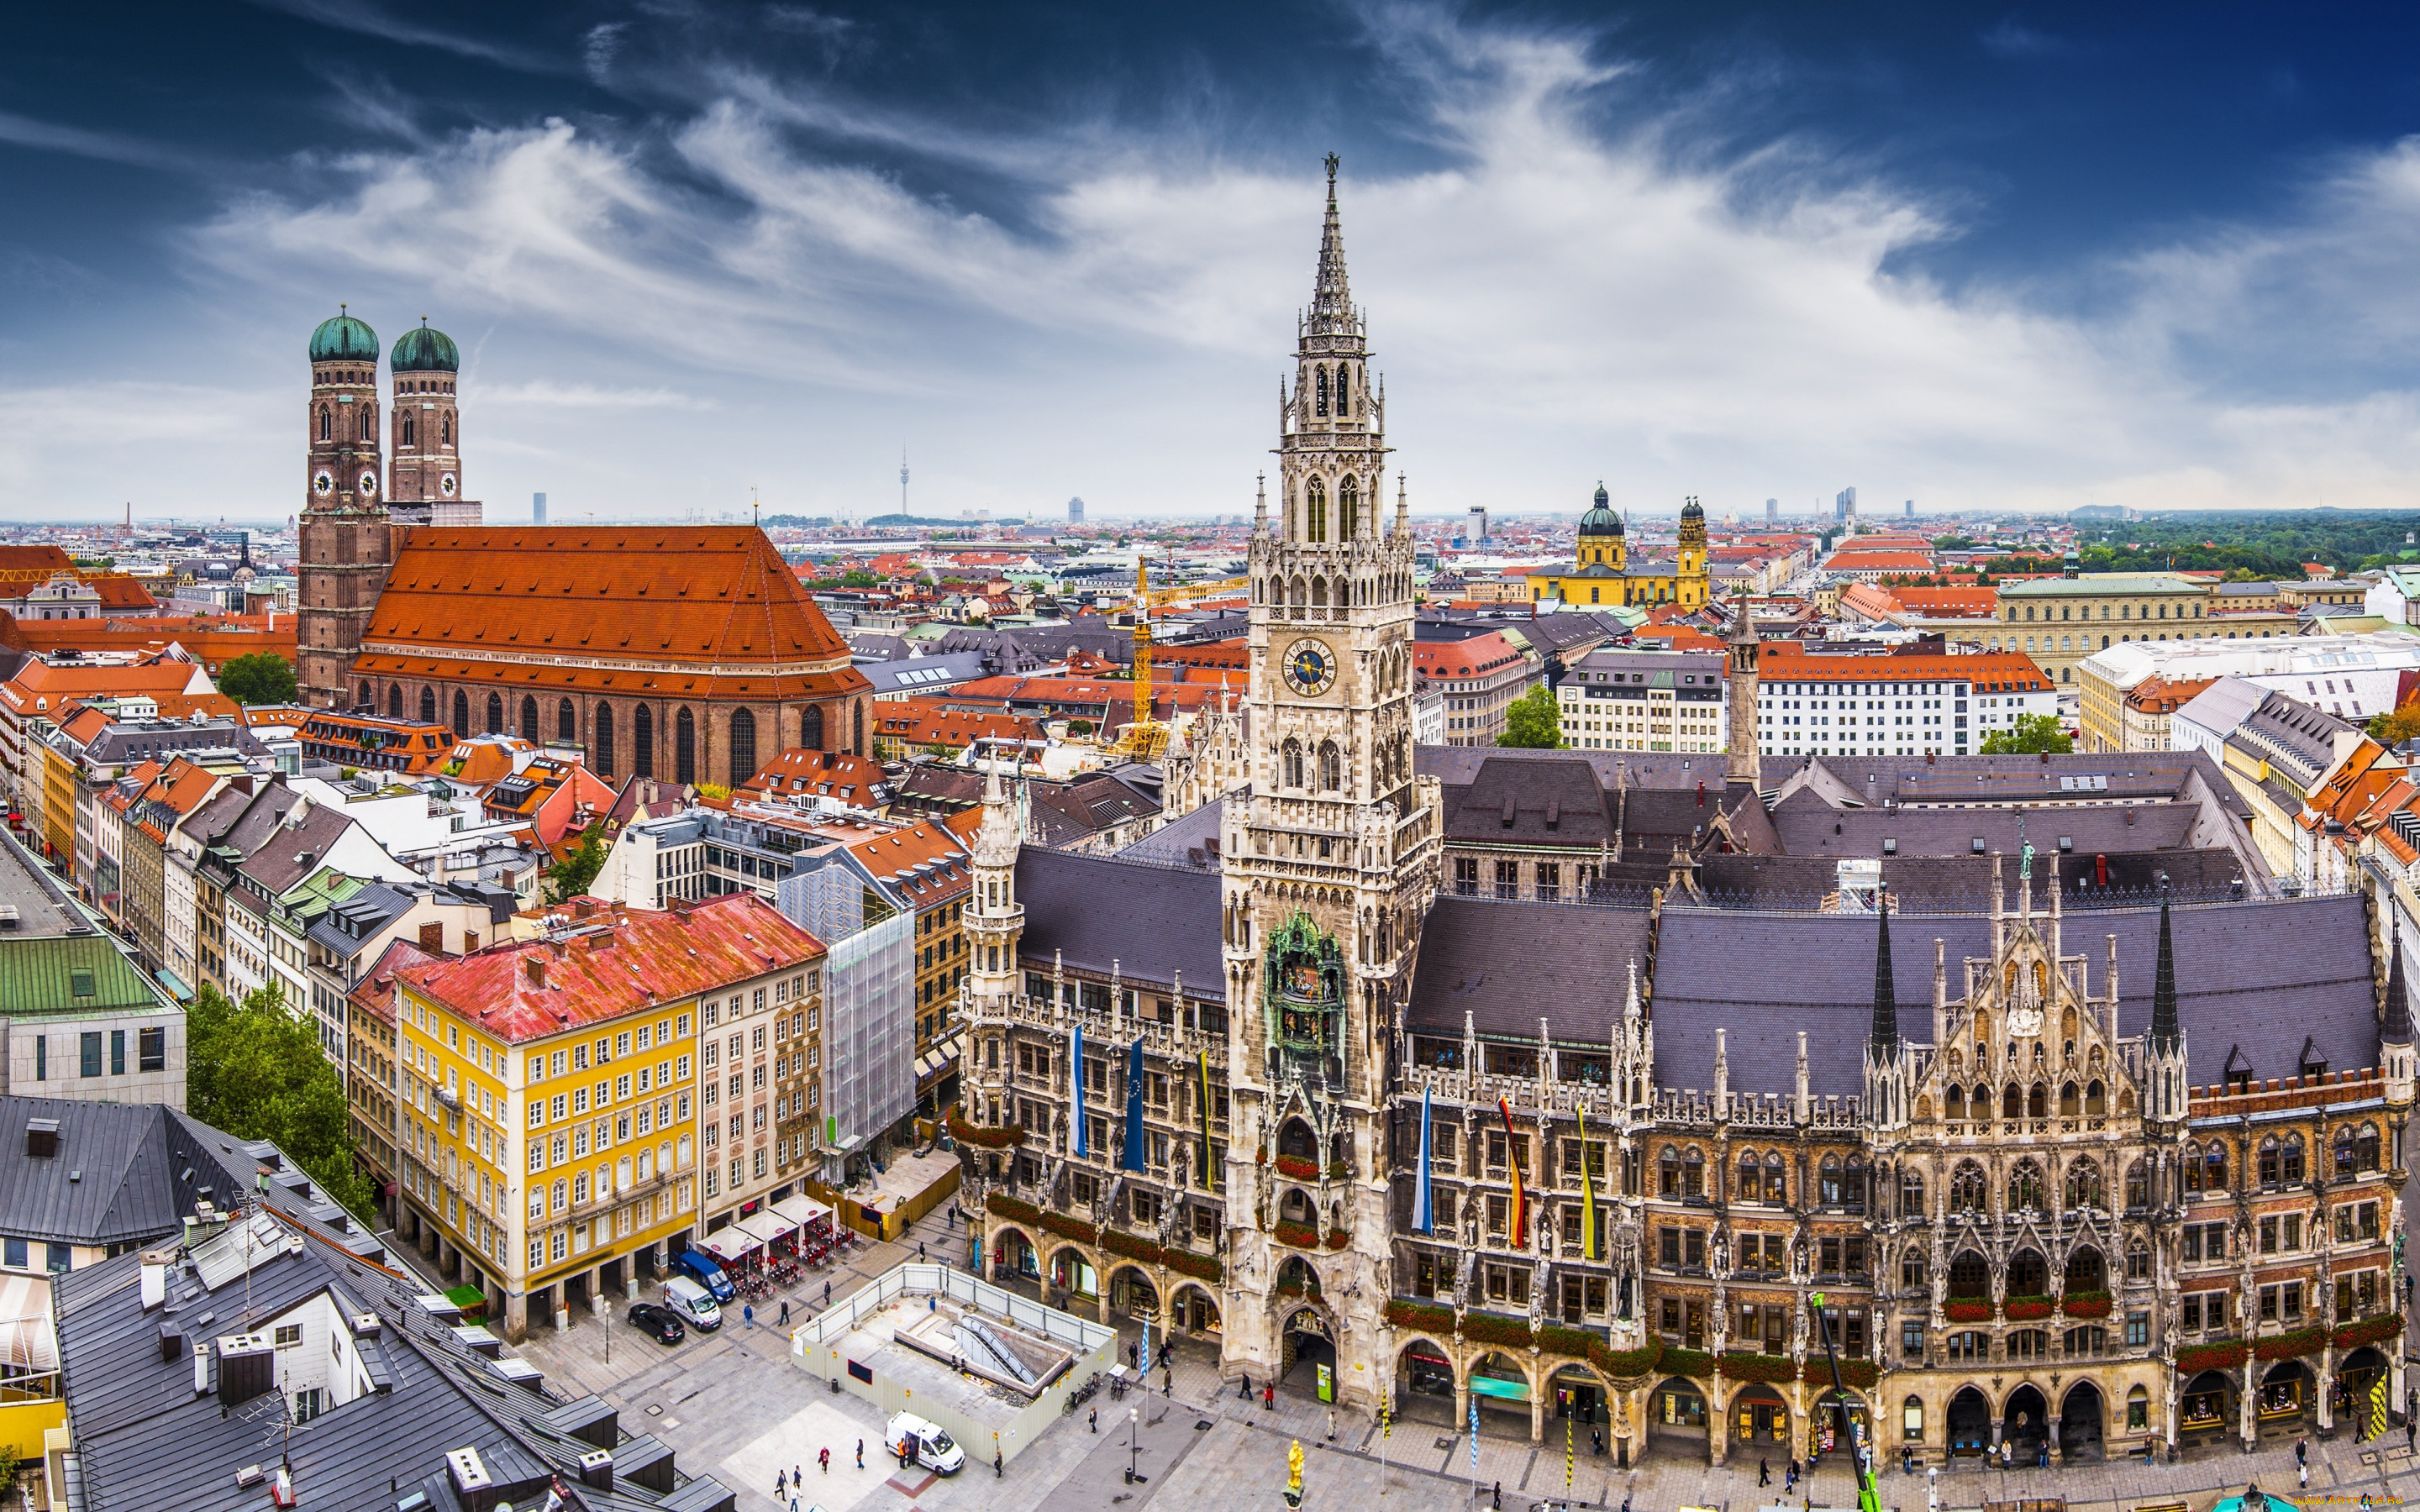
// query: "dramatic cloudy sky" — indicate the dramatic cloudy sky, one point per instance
point(2162, 256)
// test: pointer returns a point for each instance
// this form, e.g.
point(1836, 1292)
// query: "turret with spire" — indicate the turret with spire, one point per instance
point(1745, 764)
point(2395, 1049)
point(1885, 1063)
point(2163, 1047)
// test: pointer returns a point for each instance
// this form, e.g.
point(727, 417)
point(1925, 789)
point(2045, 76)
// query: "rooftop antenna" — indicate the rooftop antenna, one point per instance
point(903, 480)
point(755, 509)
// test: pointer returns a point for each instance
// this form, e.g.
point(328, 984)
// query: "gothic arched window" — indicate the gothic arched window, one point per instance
point(1854, 1194)
point(368, 700)
point(1966, 1189)
point(1321, 408)
point(2084, 1184)
point(462, 714)
point(566, 723)
point(1776, 1181)
point(1348, 509)
point(529, 718)
point(2024, 1186)
point(2269, 1161)
point(684, 747)
point(445, 431)
point(1331, 768)
point(2038, 1102)
point(2139, 1187)
point(743, 746)
point(369, 425)
point(605, 740)
point(810, 728)
point(1911, 1193)
point(643, 742)
point(1751, 1185)
point(1315, 501)
point(1953, 1104)
point(1343, 392)
point(327, 424)
point(2013, 1101)
point(1828, 1188)
point(395, 701)
point(1291, 767)
point(495, 714)
point(428, 705)
point(857, 717)
point(2290, 1160)
point(406, 428)
point(2096, 1098)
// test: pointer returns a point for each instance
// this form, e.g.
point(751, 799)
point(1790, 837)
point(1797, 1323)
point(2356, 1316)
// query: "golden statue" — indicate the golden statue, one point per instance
point(1293, 1474)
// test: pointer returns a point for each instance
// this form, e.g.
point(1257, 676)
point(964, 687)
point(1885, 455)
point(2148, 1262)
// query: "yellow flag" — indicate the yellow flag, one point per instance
point(1588, 1197)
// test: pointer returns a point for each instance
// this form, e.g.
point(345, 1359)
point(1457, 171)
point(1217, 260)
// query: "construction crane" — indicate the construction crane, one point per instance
point(1145, 738)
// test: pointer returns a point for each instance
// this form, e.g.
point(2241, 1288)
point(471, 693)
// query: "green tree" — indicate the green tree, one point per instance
point(576, 872)
point(2031, 735)
point(2396, 727)
point(255, 1069)
point(260, 678)
point(1533, 722)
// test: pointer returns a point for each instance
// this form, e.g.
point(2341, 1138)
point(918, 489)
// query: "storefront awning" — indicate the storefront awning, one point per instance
point(175, 984)
point(765, 1227)
point(803, 1210)
point(732, 1244)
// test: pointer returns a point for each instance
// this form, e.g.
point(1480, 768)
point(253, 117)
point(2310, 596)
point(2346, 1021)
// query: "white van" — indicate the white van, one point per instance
point(692, 1302)
point(922, 1443)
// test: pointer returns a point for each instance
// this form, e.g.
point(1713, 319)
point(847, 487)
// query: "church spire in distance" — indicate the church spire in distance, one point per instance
point(1331, 299)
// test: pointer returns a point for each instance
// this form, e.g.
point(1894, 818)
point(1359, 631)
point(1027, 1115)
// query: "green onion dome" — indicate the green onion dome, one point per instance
point(1601, 519)
point(423, 351)
point(343, 339)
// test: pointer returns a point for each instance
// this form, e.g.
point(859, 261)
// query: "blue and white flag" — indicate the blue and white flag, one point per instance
point(1423, 1220)
point(1075, 1091)
point(1146, 1347)
point(1474, 1435)
point(1132, 1159)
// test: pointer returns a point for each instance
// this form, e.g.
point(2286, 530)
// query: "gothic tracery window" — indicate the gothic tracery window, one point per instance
point(1320, 405)
point(1331, 768)
point(605, 740)
point(684, 747)
point(643, 742)
point(566, 723)
point(327, 424)
point(1348, 509)
point(1316, 508)
point(2024, 1186)
point(2082, 1184)
point(743, 746)
point(1966, 1189)
point(1291, 775)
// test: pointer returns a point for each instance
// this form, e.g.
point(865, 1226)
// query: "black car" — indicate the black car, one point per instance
point(662, 1323)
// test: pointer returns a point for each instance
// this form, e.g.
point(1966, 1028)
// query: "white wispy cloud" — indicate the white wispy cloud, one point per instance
point(1554, 299)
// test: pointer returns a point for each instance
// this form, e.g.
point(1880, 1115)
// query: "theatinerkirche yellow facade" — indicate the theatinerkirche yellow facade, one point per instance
point(1602, 575)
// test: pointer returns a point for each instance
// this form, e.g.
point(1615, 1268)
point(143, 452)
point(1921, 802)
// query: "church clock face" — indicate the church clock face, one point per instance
point(1310, 667)
point(324, 483)
point(367, 484)
point(445, 485)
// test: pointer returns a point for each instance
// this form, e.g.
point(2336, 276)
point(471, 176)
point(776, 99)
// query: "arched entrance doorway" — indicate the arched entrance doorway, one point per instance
point(1968, 1422)
point(2356, 1378)
point(1677, 1410)
point(1132, 1293)
point(1072, 1276)
point(1012, 1256)
point(2081, 1415)
point(2206, 1408)
point(1424, 1374)
point(1197, 1311)
point(1577, 1396)
point(1309, 1358)
point(2285, 1398)
point(1825, 1433)
point(2025, 1423)
point(1499, 1388)
point(1759, 1416)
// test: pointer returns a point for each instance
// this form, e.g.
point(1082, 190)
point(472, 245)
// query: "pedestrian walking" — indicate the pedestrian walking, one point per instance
point(747, 1313)
point(995, 1464)
point(861, 1454)
point(1500, 1496)
point(919, 1249)
point(1764, 1474)
point(785, 1312)
point(823, 1460)
point(777, 1485)
point(2301, 1451)
point(2410, 1428)
point(1269, 1397)
point(1596, 1441)
point(1626, 1501)
point(827, 1293)
point(1244, 1388)
point(2302, 1476)
point(1331, 1425)
point(1095, 1420)
point(1131, 1356)
point(798, 1476)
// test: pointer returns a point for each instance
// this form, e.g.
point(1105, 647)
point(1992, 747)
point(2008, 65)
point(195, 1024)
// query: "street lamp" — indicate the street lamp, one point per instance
point(1134, 1443)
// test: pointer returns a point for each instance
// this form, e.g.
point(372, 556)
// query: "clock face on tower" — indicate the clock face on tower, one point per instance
point(1310, 667)
point(324, 483)
point(445, 485)
point(367, 484)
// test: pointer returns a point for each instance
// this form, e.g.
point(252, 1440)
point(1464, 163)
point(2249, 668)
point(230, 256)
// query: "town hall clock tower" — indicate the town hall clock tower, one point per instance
point(1329, 866)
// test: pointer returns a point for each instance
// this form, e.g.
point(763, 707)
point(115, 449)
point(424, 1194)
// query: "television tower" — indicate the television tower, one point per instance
point(903, 480)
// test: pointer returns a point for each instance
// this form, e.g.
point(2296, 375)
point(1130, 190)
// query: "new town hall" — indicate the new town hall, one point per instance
point(2090, 1132)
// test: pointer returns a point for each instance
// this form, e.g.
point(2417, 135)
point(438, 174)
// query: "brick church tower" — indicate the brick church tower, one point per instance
point(346, 541)
point(425, 436)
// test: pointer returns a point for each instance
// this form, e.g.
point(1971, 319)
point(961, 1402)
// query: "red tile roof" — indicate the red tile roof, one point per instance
point(1474, 657)
point(803, 772)
point(1779, 660)
point(626, 961)
point(931, 722)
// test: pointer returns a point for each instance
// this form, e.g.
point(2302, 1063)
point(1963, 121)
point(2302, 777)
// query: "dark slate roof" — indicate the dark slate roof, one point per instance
point(343, 927)
point(1508, 963)
point(1551, 802)
point(1190, 840)
point(1766, 975)
point(1809, 827)
point(124, 1172)
point(144, 1440)
point(1094, 912)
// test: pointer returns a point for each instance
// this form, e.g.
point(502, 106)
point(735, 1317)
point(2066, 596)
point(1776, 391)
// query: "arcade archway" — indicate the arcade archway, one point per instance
point(2082, 1420)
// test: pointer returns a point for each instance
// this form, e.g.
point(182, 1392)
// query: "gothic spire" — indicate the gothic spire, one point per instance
point(1332, 298)
point(1885, 1034)
point(2397, 1027)
point(2163, 990)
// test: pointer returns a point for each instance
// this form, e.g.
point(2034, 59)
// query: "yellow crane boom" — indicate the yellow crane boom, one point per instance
point(1145, 737)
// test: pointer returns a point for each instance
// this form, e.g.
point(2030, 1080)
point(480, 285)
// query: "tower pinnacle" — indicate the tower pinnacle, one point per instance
point(1331, 299)
point(2163, 990)
point(1885, 1030)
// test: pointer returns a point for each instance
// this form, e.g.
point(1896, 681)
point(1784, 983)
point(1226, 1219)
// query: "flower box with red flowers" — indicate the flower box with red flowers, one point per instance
point(1301, 1236)
point(2025, 1309)
point(2085, 1305)
point(1967, 1312)
point(1300, 1168)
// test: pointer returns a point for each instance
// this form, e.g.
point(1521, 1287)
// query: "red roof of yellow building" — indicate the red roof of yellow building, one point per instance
point(610, 962)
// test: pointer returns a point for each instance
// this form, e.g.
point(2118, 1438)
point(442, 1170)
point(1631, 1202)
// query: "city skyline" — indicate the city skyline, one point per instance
point(1983, 260)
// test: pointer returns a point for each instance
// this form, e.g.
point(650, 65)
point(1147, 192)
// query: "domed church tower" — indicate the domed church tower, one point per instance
point(426, 441)
point(1692, 551)
point(344, 542)
point(1602, 544)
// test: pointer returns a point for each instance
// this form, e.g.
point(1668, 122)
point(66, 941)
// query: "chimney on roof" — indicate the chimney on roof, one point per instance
point(41, 1137)
point(155, 1280)
point(534, 966)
